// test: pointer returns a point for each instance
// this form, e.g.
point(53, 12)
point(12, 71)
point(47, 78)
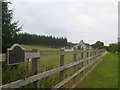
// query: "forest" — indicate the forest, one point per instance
point(33, 39)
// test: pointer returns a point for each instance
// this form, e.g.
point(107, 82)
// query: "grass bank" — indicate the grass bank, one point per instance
point(105, 75)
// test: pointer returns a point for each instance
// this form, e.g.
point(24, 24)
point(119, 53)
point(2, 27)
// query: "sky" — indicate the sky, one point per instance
point(88, 20)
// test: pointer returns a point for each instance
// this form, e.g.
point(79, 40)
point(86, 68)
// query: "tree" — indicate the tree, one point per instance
point(119, 47)
point(9, 28)
point(98, 45)
point(33, 39)
point(113, 47)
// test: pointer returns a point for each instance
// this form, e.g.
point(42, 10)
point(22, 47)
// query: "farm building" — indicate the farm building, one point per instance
point(82, 46)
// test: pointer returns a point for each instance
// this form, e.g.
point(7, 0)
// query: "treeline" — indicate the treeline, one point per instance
point(113, 47)
point(33, 39)
point(98, 45)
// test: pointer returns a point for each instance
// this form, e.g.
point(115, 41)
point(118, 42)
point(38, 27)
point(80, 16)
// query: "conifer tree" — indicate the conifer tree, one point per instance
point(9, 27)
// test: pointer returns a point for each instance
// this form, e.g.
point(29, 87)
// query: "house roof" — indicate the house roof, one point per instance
point(82, 42)
point(87, 44)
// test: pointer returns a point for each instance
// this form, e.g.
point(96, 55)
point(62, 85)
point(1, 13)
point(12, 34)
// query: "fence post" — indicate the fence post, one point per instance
point(74, 68)
point(61, 64)
point(87, 56)
point(36, 67)
point(82, 57)
point(81, 54)
point(93, 55)
point(96, 53)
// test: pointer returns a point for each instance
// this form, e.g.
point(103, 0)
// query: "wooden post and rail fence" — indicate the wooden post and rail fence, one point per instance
point(18, 55)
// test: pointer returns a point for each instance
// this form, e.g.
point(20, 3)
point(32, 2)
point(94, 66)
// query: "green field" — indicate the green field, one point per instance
point(41, 48)
point(46, 63)
point(105, 75)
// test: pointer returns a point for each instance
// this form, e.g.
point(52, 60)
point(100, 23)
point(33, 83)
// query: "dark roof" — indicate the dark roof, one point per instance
point(87, 44)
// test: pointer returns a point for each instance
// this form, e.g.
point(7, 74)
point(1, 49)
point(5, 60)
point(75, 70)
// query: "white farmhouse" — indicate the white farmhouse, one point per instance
point(82, 46)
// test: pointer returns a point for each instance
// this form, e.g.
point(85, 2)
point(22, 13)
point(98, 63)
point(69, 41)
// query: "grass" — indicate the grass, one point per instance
point(46, 63)
point(41, 48)
point(25, 70)
point(105, 75)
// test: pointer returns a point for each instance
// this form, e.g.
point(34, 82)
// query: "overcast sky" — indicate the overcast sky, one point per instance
point(90, 20)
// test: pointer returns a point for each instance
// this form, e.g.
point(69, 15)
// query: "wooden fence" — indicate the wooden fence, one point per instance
point(79, 65)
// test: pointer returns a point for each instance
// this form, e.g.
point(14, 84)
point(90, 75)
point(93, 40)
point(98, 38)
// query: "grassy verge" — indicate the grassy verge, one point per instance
point(105, 75)
point(13, 73)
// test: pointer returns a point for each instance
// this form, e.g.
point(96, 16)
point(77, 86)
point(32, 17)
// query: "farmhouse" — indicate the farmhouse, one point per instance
point(82, 46)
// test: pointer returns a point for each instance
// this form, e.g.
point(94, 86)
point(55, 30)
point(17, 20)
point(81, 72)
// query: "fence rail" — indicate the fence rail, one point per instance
point(37, 54)
point(92, 57)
